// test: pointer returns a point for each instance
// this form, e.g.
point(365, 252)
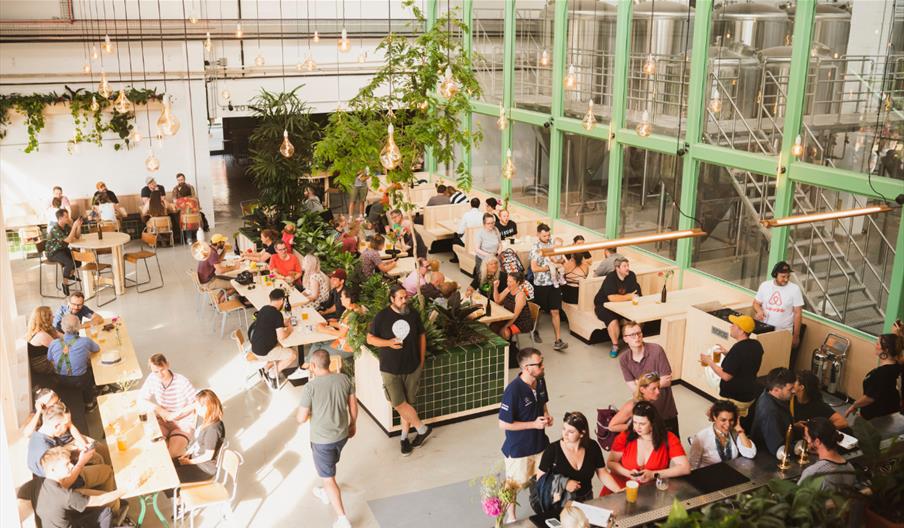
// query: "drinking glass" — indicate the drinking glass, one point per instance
point(631, 491)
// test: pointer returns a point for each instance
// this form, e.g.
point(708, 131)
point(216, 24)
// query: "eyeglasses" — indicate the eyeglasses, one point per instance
point(634, 334)
point(280, 249)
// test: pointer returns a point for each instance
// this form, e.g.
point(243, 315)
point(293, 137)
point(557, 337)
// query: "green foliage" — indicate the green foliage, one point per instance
point(455, 322)
point(422, 119)
point(780, 504)
point(882, 470)
point(280, 180)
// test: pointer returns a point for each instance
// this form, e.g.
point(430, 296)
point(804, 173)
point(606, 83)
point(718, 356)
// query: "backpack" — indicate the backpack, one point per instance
point(604, 436)
point(510, 261)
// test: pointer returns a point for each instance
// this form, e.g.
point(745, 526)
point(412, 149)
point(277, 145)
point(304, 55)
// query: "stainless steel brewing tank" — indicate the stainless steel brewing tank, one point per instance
point(591, 46)
point(664, 30)
point(824, 80)
point(831, 27)
point(736, 71)
point(759, 26)
point(670, 23)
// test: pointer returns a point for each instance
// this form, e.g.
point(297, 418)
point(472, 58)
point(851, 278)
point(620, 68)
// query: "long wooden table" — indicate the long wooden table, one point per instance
point(498, 312)
point(127, 368)
point(649, 307)
point(144, 460)
point(404, 266)
point(305, 332)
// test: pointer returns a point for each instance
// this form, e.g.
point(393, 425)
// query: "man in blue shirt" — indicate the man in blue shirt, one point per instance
point(75, 305)
point(524, 416)
point(70, 356)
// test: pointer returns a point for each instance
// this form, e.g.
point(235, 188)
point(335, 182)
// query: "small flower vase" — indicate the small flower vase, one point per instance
point(665, 294)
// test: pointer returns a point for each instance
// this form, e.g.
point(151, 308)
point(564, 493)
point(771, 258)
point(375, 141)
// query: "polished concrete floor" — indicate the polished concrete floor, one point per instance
point(277, 475)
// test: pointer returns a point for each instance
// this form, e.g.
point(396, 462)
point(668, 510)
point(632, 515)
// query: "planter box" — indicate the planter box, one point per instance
point(461, 383)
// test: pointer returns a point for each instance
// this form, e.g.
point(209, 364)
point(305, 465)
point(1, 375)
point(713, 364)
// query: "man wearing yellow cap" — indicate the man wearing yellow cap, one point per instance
point(739, 365)
point(212, 266)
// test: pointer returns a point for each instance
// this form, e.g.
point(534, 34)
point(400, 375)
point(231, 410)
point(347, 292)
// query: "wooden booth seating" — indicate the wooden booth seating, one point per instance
point(131, 203)
point(431, 231)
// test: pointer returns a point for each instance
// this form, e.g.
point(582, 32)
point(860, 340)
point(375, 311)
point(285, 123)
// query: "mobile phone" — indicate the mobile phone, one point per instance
point(157, 439)
point(553, 523)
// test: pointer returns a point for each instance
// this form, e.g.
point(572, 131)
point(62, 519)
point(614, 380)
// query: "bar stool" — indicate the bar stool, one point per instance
point(89, 263)
point(149, 241)
point(42, 261)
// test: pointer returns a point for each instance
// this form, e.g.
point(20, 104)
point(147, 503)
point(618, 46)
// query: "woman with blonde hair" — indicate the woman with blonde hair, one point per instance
point(490, 271)
point(573, 517)
point(648, 389)
point(39, 336)
point(315, 282)
point(199, 463)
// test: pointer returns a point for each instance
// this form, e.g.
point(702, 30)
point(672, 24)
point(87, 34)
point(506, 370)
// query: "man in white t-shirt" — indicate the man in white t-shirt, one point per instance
point(779, 302)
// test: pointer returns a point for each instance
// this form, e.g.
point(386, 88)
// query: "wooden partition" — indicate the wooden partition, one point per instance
point(861, 356)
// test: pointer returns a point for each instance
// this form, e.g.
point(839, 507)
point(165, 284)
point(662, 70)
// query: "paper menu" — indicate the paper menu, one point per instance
point(596, 515)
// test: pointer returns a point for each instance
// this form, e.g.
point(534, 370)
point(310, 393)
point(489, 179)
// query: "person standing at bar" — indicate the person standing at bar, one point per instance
point(779, 302)
point(643, 358)
point(739, 367)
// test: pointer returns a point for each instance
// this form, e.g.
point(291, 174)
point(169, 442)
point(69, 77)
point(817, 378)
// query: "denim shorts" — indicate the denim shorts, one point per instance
point(326, 456)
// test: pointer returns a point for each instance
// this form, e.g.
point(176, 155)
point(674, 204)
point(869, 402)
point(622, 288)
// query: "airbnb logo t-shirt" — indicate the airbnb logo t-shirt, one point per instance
point(779, 303)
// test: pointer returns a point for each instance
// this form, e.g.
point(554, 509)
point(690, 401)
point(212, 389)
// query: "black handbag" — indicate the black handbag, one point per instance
point(244, 278)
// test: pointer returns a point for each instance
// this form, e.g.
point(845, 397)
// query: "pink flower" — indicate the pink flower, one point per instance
point(492, 506)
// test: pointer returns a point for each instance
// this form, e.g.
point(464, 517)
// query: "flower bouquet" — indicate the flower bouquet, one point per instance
point(496, 495)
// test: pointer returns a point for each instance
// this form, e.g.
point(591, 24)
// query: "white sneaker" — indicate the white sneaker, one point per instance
point(299, 374)
point(342, 522)
point(320, 493)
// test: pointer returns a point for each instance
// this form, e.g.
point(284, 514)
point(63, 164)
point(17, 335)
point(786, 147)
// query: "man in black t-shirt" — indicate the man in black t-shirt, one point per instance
point(270, 328)
point(620, 285)
point(401, 343)
point(332, 308)
point(739, 367)
point(772, 415)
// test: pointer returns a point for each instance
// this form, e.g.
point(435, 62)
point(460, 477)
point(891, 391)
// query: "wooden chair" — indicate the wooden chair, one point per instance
point(226, 308)
point(535, 315)
point(189, 222)
point(147, 251)
point(161, 225)
point(220, 492)
point(202, 293)
point(90, 264)
point(255, 365)
point(44, 261)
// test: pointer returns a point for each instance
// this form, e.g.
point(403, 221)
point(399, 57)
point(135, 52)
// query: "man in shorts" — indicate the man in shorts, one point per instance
point(524, 416)
point(401, 343)
point(358, 194)
point(328, 400)
point(172, 398)
point(271, 328)
point(546, 291)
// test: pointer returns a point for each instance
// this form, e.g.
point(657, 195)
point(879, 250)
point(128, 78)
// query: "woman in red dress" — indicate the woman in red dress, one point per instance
point(646, 449)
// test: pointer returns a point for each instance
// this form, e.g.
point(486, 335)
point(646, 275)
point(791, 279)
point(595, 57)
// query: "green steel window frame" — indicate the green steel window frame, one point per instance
point(693, 149)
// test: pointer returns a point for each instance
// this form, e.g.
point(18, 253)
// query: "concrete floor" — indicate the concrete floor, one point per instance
point(277, 475)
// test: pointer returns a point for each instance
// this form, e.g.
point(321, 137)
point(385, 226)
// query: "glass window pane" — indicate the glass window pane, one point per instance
point(488, 28)
point(533, 55)
point(530, 152)
point(590, 58)
point(585, 181)
point(843, 266)
point(486, 157)
point(736, 248)
point(651, 188)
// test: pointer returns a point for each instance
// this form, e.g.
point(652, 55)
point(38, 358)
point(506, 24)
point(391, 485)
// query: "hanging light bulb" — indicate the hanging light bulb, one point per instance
point(122, 103)
point(589, 119)
point(94, 104)
point(208, 45)
point(423, 105)
point(87, 67)
point(344, 43)
point(238, 30)
point(193, 19)
point(502, 122)
point(104, 87)
point(226, 95)
point(571, 78)
point(448, 87)
point(715, 103)
point(151, 163)
point(390, 155)
point(362, 57)
point(286, 149)
point(508, 168)
point(644, 128)
point(649, 66)
point(93, 51)
point(316, 36)
point(259, 60)
point(544, 57)
point(309, 64)
point(167, 124)
point(107, 45)
point(797, 150)
point(135, 136)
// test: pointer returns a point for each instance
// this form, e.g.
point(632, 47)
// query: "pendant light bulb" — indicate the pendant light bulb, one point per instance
point(259, 59)
point(649, 66)
point(502, 122)
point(122, 103)
point(571, 79)
point(107, 45)
point(362, 57)
point(286, 149)
point(508, 168)
point(87, 67)
point(448, 87)
point(797, 150)
point(193, 19)
point(589, 119)
point(238, 30)
point(135, 136)
point(95, 106)
point(544, 57)
point(309, 64)
point(316, 36)
point(208, 44)
point(344, 43)
point(93, 51)
point(226, 95)
point(151, 163)
point(104, 87)
point(390, 156)
point(715, 102)
point(167, 124)
point(644, 128)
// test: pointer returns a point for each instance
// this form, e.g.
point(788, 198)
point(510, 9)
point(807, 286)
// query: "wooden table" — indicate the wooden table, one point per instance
point(649, 307)
point(404, 266)
point(499, 313)
point(305, 333)
point(113, 241)
point(128, 368)
point(143, 459)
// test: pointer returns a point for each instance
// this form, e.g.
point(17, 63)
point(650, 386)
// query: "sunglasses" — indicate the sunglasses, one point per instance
point(652, 376)
point(538, 364)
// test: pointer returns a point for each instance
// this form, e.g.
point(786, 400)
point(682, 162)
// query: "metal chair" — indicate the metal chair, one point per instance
point(161, 225)
point(255, 365)
point(220, 492)
point(535, 315)
point(149, 241)
point(226, 308)
point(96, 269)
point(202, 292)
point(42, 261)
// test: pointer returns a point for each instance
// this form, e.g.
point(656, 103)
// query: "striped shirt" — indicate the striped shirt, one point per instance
point(179, 394)
point(458, 197)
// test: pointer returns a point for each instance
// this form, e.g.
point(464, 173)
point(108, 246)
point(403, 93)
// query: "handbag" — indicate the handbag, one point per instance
point(604, 436)
point(244, 278)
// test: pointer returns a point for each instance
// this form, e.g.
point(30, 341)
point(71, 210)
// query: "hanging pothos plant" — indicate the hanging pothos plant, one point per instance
point(90, 124)
point(422, 118)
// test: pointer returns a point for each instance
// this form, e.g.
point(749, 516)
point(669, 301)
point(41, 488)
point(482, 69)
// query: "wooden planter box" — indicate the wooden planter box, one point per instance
point(461, 383)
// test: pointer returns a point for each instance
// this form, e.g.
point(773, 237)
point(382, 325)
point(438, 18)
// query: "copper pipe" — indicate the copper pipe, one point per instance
point(627, 241)
point(821, 217)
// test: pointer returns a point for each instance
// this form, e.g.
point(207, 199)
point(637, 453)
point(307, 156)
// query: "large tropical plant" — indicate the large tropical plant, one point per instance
point(279, 180)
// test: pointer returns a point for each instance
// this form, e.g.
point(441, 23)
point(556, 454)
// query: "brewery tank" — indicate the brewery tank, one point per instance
point(831, 27)
point(759, 26)
point(822, 98)
point(591, 48)
point(738, 70)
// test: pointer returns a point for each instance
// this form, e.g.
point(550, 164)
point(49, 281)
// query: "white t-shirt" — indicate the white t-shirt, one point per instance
point(779, 302)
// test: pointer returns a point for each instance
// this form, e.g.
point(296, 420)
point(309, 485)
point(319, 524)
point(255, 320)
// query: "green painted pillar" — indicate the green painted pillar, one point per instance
point(556, 138)
point(697, 96)
point(430, 8)
point(794, 111)
point(895, 307)
point(619, 102)
point(467, 14)
point(508, 89)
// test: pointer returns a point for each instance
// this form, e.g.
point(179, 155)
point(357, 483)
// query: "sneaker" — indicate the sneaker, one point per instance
point(406, 447)
point(613, 353)
point(298, 374)
point(559, 345)
point(320, 493)
point(536, 337)
point(419, 438)
point(342, 522)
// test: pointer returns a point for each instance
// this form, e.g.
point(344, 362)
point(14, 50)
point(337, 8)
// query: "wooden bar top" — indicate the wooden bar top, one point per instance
point(127, 368)
point(649, 307)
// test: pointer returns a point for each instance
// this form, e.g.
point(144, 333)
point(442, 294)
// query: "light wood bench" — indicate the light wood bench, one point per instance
point(431, 231)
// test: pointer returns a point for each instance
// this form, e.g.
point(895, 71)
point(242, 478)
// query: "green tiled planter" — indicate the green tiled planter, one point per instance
point(465, 381)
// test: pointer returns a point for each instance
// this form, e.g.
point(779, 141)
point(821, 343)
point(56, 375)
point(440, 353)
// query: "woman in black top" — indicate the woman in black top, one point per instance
point(577, 267)
point(577, 458)
point(507, 228)
point(489, 272)
point(808, 401)
point(880, 386)
point(200, 460)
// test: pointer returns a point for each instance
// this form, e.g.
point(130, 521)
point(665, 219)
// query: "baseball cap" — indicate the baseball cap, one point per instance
point(339, 274)
point(744, 322)
point(217, 238)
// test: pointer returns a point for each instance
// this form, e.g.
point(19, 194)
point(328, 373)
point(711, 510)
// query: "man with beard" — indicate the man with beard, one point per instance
point(620, 285)
point(401, 343)
point(211, 267)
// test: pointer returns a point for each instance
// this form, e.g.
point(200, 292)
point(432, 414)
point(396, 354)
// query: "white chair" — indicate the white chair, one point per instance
point(219, 492)
point(202, 293)
point(255, 366)
point(226, 308)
